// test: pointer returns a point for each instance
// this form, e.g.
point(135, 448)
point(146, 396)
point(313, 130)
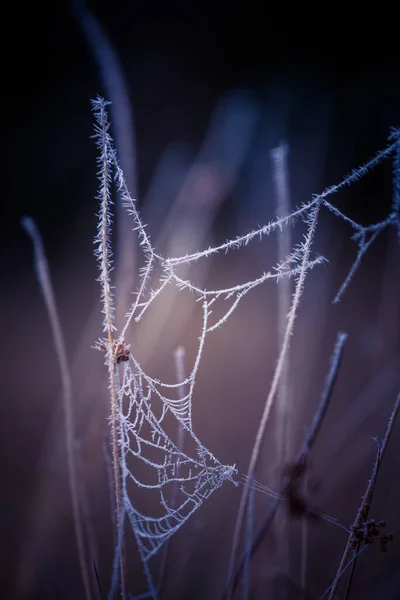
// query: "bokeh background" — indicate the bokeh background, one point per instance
point(211, 89)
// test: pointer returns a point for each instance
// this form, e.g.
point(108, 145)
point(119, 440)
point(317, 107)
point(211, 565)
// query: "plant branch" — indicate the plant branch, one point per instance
point(43, 276)
point(104, 258)
point(364, 506)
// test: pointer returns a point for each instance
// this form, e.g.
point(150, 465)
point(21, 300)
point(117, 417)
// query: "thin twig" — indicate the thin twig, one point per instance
point(122, 117)
point(279, 156)
point(43, 276)
point(304, 542)
point(365, 516)
point(97, 580)
point(249, 537)
point(396, 179)
point(340, 573)
point(363, 508)
point(104, 257)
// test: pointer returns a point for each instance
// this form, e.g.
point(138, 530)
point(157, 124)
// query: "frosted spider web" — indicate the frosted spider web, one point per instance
point(142, 435)
point(145, 438)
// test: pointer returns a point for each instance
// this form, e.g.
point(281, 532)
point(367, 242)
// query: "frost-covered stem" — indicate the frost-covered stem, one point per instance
point(115, 450)
point(43, 275)
point(396, 179)
point(367, 496)
point(104, 257)
point(313, 219)
point(111, 74)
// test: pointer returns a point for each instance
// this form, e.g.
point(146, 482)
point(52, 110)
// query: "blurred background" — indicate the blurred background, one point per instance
point(201, 94)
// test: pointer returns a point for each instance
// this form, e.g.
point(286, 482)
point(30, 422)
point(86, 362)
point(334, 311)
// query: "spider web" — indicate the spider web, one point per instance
point(143, 437)
point(144, 403)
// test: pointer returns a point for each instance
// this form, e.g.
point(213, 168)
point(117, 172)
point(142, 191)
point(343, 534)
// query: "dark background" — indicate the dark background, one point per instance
point(323, 78)
point(178, 59)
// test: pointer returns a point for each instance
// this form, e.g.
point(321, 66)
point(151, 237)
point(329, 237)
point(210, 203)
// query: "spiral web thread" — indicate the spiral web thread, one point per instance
point(143, 437)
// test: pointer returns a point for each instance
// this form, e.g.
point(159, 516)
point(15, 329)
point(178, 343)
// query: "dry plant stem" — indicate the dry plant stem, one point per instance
point(111, 362)
point(305, 450)
point(272, 393)
point(304, 545)
point(113, 80)
point(368, 494)
point(396, 179)
point(249, 539)
point(91, 545)
point(347, 565)
point(99, 591)
point(116, 468)
point(279, 158)
point(43, 275)
point(356, 550)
